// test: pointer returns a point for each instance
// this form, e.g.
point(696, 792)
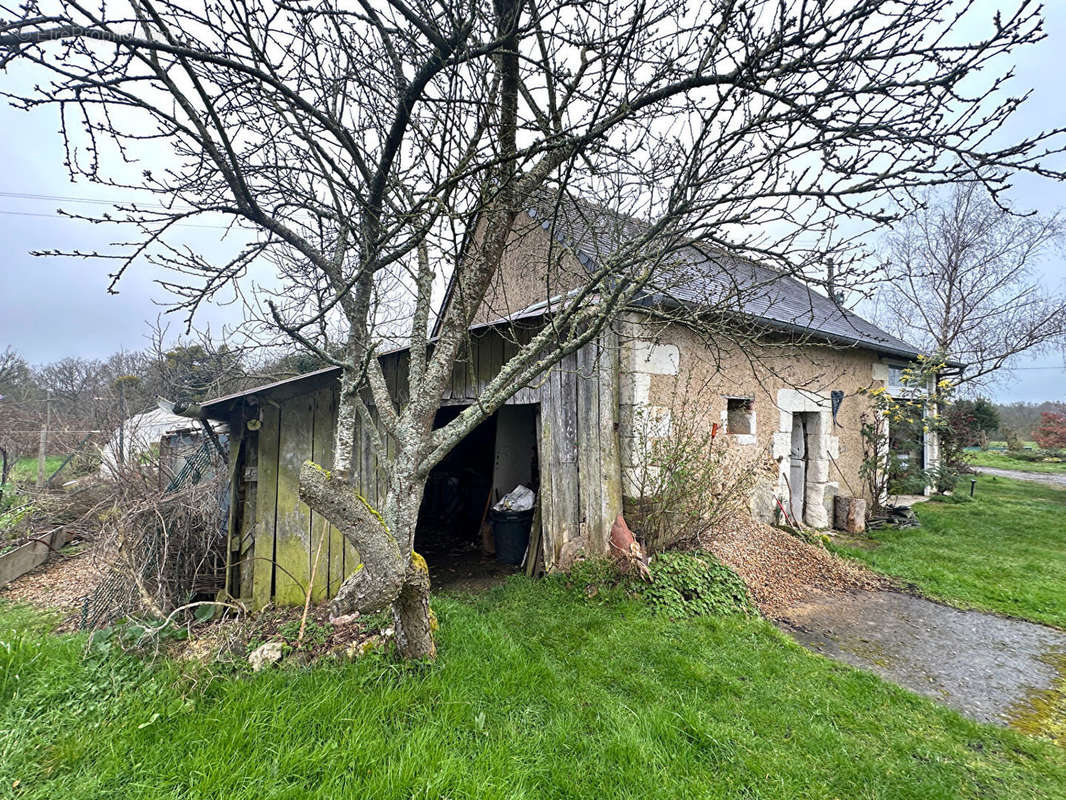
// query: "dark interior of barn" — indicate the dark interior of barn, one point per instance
point(455, 519)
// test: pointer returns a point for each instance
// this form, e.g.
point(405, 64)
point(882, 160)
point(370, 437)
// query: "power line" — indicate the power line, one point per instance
point(120, 221)
point(70, 199)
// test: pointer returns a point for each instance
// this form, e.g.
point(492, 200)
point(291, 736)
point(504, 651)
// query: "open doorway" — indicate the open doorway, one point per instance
point(496, 456)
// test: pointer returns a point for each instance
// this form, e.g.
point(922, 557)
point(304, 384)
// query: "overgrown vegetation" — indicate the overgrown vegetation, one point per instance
point(682, 585)
point(536, 693)
point(168, 550)
point(686, 476)
point(1003, 551)
point(694, 585)
point(894, 430)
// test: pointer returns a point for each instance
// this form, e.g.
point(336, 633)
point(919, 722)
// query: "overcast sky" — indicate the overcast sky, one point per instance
point(51, 308)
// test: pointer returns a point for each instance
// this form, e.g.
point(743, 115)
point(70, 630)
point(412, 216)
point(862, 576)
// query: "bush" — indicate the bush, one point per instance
point(687, 476)
point(683, 585)
point(694, 585)
point(1051, 434)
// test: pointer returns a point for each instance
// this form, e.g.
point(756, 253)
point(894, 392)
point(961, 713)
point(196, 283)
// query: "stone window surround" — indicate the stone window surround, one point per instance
point(752, 437)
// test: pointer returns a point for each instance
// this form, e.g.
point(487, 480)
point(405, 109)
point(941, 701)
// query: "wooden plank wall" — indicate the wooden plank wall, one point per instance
point(289, 537)
point(578, 452)
point(266, 503)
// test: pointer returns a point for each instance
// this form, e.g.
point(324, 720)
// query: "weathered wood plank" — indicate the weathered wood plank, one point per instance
point(250, 489)
point(508, 348)
point(237, 447)
point(588, 431)
point(565, 484)
point(293, 532)
point(547, 470)
point(266, 506)
point(607, 444)
point(16, 563)
point(322, 533)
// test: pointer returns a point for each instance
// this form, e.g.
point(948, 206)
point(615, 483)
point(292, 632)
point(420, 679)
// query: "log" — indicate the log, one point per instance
point(849, 514)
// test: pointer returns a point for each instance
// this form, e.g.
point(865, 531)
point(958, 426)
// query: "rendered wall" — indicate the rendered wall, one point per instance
point(668, 369)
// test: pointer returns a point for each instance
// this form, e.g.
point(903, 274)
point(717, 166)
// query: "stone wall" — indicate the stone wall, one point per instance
point(534, 268)
point(668, 369)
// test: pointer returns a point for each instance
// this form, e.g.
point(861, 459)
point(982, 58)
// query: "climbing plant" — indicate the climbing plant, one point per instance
point(915, 406)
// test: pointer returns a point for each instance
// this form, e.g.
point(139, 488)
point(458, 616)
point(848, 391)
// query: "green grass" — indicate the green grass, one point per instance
point(1003, 460)
point(1003, 551)
point(536, 693)
point(25, 469)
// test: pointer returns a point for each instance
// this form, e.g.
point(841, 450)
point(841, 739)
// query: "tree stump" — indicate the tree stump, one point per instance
point(849, 514)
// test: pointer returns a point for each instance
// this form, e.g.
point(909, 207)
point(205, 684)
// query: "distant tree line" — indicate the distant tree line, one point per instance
point(1022, 419)
point(82, 400)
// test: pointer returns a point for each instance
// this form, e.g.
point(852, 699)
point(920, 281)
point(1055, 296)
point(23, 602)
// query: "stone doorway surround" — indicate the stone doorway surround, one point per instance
point(821, 446)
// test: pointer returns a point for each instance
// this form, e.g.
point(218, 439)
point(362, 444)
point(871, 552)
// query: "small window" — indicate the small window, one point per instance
point(740, 417)
point(895, 375)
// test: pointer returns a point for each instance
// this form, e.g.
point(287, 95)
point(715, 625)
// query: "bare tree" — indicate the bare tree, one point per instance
point(376, 150)
point(16, 386)
point(960, 278)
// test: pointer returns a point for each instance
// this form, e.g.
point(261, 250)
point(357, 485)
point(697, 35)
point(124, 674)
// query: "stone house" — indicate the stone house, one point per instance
point(790, 389)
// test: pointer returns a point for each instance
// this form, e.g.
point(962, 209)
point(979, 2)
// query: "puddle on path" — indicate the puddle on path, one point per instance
point(990, 668)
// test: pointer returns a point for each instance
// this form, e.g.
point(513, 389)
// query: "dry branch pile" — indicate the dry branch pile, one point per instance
point(780, 570)
point(164, 550)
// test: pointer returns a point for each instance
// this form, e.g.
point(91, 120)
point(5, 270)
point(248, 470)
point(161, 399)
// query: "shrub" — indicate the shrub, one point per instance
point(1051, 433)
point(898, 424)
point(693, 585)
point(1014, 442)
point(687, 475)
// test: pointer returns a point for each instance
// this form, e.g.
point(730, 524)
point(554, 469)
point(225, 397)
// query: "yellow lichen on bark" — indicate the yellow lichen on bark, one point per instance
point(419, 563)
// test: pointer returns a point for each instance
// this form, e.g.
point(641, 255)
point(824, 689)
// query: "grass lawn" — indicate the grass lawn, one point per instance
point(1003, 551)
point(25, 469)
point(1003, 460)
point(536, 693)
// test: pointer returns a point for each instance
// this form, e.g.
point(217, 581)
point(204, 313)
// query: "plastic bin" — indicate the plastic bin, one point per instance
point(510, 529)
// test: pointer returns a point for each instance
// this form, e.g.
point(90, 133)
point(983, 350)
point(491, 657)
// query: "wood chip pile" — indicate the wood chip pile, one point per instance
point(60, 583)
point(781, 570)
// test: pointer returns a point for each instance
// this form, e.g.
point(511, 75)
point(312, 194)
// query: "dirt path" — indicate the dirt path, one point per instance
point(61, 583)
point(990, 668)
point(1046, 478)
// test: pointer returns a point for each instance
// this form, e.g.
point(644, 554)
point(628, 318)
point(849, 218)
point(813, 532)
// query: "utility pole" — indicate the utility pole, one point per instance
point(122, 423)
point(42, 449)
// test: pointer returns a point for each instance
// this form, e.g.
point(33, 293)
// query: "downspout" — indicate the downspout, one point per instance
point(192, 411)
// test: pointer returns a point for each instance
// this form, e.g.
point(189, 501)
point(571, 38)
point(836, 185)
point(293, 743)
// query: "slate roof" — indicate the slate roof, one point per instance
point(712, 278)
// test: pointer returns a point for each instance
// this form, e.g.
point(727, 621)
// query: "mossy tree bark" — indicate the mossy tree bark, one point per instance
point(390, 572)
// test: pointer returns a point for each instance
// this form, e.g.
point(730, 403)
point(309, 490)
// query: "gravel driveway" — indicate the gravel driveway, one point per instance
point(1058, 480)
point(990, 668)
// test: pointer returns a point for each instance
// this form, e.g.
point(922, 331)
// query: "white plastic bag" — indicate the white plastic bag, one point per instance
point(520, 498)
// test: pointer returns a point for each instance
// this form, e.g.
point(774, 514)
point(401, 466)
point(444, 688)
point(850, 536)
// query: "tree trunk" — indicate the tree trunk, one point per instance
point(390, 572)
point(411, 613)
point(377, 581)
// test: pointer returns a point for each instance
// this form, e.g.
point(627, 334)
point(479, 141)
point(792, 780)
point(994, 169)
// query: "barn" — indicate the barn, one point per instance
point(558, 436)
point(794, 393)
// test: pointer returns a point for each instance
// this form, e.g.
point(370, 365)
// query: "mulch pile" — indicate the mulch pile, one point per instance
point(781, 570)
point(61, 583)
